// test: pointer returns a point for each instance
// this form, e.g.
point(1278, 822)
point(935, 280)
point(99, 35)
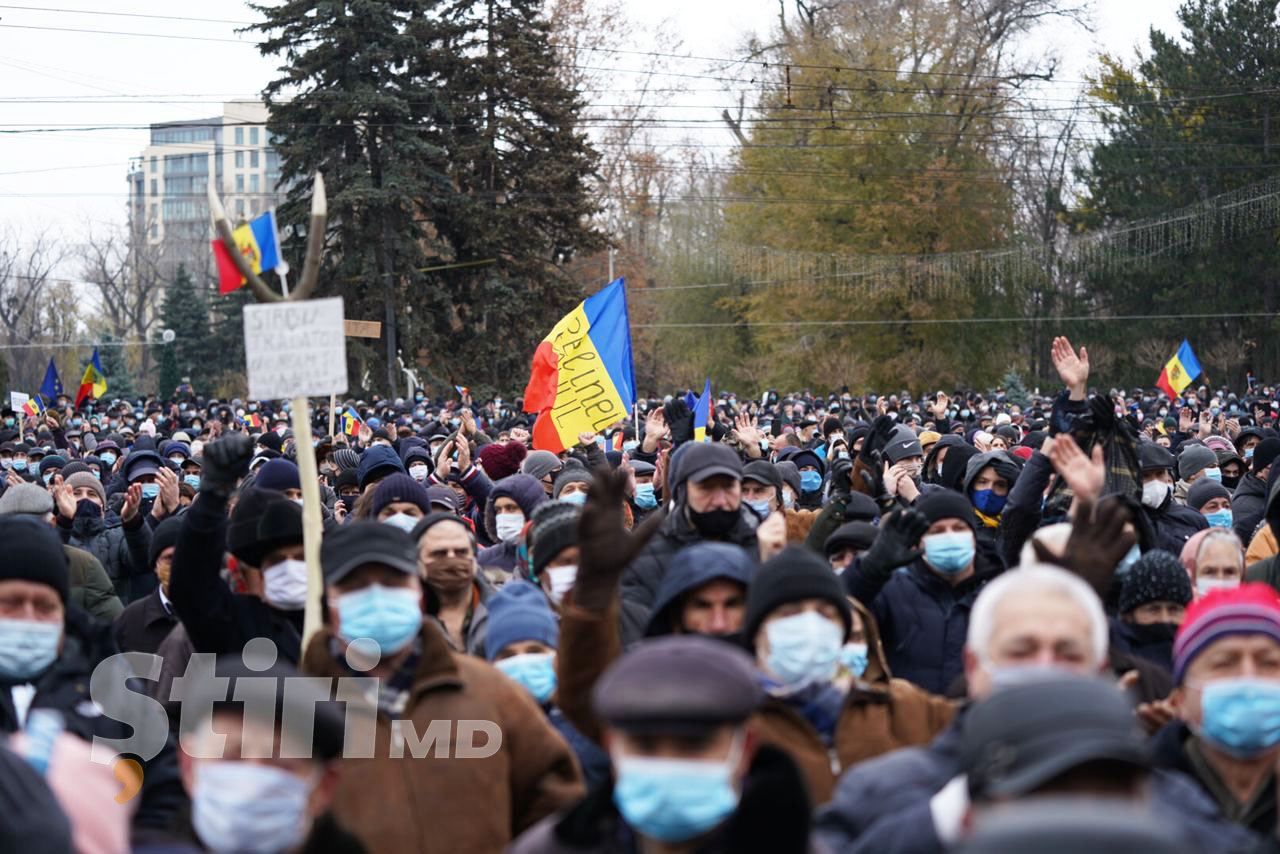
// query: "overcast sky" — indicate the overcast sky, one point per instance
point(74, 180)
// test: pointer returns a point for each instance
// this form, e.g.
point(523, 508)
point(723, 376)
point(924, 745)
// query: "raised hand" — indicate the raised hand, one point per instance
point(655, 425)
point(1097, 543)
point(1073, 368)
point(938, 409)
point(1084, 475)
point(605, 545)
point(226, 461)
point(464, 454)
point(133, 500)
point(63, 499)
point(167, 502)
point(897, 542)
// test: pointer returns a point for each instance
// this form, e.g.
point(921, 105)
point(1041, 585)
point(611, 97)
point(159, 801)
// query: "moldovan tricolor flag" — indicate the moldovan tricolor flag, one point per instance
point(257, 242)
point(702, 413)
point(1179, 371)
point(582, 379)
point(94, 382)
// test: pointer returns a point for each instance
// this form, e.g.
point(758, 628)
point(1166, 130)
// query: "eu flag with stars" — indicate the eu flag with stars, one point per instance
point(51, 388)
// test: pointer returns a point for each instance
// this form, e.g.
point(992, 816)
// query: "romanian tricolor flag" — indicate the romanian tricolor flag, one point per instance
point(582, 379)
point(257, 242)
point(94, 382)
point(702, 413)
point(462, 390)
point(350, 422)
point(33, 406)
point(1179, 371)
point(251, 419)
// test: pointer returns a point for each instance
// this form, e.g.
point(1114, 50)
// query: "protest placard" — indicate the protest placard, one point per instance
point(295, 349)
point(17, 400)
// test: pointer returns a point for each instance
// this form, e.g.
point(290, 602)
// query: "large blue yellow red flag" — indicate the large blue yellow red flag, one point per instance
point(582, 379)
point(33, 406)
point(1179, 371)
point(702, 413)
point(51, 388)
point(257, 241)
point(94, 382)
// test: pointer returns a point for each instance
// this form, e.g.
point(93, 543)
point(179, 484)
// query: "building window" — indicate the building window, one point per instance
point(253, 136)
point(153, 165)
point(239, 136)
point(253, 159)
point(154, 187)
point(240, 208)
point(239, 183)
point(155, 212)
point(239, 159)
point(253, 183)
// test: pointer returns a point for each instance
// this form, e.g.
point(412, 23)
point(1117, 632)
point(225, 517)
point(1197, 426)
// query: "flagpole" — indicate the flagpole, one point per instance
point(333, 401)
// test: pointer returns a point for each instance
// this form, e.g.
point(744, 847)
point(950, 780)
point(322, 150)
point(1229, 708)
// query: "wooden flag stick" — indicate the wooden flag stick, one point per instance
point(312, 526)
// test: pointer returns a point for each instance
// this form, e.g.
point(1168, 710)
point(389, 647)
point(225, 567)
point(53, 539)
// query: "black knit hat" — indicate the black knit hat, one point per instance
point(1265, 453)
point(1205, 490)
point(554, 528)
point(279, 525)
point(946, 504)
point(794, 573)
point(165, 535)
point(242, 529)
point(33, 552)
point(1157, 576)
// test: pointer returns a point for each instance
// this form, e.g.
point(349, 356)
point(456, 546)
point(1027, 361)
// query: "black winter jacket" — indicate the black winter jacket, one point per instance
point(641, 579)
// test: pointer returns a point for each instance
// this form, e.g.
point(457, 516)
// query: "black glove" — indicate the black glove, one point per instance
point(874, 443)
point(679, 419)
point(225, 462)
point(897, 542)
point(840, 471)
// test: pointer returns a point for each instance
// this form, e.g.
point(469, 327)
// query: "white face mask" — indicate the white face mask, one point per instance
point(403, 521)
point(285, 585)
point(1207, 585)
point(1154, 492)
point(418, 473)
point(562, 578)
point(508, 525)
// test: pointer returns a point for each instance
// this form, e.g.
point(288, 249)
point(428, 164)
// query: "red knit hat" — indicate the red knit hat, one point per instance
point(1250, 609)
point(501, 460)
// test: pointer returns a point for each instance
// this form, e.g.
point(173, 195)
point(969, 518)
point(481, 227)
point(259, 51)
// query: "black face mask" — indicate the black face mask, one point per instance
point(88, 509)
point(1230, 482)
point(714, 523)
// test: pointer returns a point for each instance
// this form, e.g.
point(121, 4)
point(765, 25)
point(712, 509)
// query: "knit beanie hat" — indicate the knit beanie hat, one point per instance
point(347, 478)
point(946, 504)
point(1205, 490)
point(794, 573)
point(26, 499)
point(519, 612)
point(242, 528)
point(1253, 608)
point(84, 479)
point(539, 464)
point(1265, 453)
point(164, 535)
point(51, 463)
point(346, 459)
point(1195, 458)
point(278, 475)
point(571, 474)
point(75, 467)
point(33, 552)
point(501, 460)
point(400, 487)
point(554, 528)
point(1157, 576)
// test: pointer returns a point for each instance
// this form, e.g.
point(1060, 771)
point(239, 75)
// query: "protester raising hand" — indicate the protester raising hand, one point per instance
point(63, 497)
point(1097, 543)
point(1073, 368)
point(132, 502)
point(604, 543)
point(1085, 476)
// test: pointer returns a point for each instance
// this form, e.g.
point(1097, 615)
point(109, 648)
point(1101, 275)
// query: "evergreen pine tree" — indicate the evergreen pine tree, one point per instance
point(186, 311)
point(120, 379)
point(169, 374)
point(1014, 389)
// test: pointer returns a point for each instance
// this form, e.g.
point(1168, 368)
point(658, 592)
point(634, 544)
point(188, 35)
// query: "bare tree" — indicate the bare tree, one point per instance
point(129, 282)
point(27, 265)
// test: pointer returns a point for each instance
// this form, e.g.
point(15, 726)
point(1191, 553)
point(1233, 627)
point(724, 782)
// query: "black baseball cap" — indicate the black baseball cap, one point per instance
point(703, 460)
point(360, 543)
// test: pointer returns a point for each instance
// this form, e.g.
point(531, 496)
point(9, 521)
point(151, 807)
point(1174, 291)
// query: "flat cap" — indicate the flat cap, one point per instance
point(1025, 736)
point(679, 685)
point(1152, 457)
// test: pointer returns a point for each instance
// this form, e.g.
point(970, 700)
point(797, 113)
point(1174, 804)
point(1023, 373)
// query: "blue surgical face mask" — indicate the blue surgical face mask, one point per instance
point(1214, 474)
point(48, 477)
point(1242, 716)
point(507, 525)
point(578, 498)
point(988, 502)
point(1248, 454)
point(810, 481)
point(535, 672)
point(673, 800)
point(403, 521)
point(1219, 518)
point(192, 480)
point(108, 458)
point(645, 497)
point(150, 490)
point(949, 553)
point(27, 647)
point(1126, 563)
point(965, 413)
point(854, 658)
point(19, 465)
point(761, 507)
point(787, 501)
point(391, 616)
point(244, 806)
point(803, 648)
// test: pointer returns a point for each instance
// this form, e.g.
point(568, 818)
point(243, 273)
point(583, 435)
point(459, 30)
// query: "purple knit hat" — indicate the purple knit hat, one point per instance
point(1250, 609)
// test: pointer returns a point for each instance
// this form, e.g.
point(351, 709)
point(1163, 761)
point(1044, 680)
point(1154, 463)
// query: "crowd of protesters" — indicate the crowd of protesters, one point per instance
point(970, 622)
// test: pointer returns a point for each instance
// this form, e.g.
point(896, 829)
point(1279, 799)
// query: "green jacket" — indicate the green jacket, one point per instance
point(91, 588)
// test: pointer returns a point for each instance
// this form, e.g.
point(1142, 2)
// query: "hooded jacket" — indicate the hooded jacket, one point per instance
point(1248, 504)
point(525, 491)
point(923, 619)
point(1005, 467)
point(123, 550)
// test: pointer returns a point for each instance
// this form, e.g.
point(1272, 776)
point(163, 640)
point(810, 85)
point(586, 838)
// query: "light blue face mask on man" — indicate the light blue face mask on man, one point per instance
point(673, 800)
point(535, 672)
point(803, 648)
point(949, 553)
point(646, 499)
point(391, 616)
point(245, 806)
point(1219, 518)
point(27, 647)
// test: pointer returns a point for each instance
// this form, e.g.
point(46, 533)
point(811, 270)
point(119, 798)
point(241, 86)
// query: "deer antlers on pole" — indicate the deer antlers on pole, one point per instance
point(315, 246)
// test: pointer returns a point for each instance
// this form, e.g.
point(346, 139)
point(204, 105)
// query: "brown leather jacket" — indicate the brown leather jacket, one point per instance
point(447, 803)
